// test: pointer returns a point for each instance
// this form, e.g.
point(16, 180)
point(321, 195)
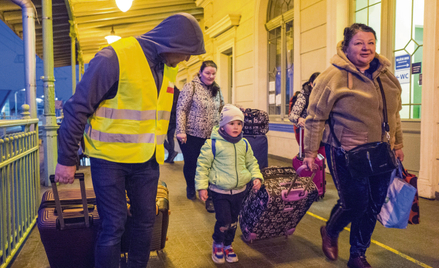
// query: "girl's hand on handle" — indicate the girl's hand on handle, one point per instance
point(310, 163)
point(182, 138)
point(203, 194)
point(256, 185)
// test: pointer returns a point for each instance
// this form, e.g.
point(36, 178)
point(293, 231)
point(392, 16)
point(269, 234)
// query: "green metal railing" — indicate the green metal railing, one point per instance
point(19, 184)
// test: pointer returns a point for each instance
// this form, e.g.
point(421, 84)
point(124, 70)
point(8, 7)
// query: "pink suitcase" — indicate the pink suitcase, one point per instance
point(319, 178)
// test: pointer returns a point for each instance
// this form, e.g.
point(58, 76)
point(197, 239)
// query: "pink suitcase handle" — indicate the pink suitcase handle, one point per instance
point(299, 193)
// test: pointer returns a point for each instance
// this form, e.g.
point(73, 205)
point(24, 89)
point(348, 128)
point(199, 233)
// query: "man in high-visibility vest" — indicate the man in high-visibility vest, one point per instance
point(121, 108)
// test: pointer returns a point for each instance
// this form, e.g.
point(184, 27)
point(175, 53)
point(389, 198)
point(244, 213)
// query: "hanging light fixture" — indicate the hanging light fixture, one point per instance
point(112, 37)
point(124, 5)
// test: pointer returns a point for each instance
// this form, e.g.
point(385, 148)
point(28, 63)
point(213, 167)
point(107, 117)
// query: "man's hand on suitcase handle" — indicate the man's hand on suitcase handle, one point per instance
point(310, 163)
point(203, 194)
point(65, 174)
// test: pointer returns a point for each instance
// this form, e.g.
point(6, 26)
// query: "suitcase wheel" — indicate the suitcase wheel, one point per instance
point(249, 238)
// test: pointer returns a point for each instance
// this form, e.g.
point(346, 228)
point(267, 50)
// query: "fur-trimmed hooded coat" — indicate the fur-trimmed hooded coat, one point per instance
point(356, 104)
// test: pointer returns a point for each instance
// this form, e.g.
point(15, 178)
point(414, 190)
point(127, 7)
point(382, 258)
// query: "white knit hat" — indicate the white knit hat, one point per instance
point(230, 113)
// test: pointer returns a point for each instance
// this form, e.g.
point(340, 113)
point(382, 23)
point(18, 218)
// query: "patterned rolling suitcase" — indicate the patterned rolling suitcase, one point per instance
point(255, 122)
point(69, 233)
point(276, 209)
point(320, 177)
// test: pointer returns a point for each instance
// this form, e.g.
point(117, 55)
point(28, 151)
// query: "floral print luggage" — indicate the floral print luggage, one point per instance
point(275, 210)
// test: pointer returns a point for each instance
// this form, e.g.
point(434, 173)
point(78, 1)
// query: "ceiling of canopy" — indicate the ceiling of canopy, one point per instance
point(93, 20)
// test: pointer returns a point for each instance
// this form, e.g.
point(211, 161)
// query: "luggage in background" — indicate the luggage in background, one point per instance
point(159, 233)
point(276, 209)
point(255, 130)
point(413, 181)
point(255, 122)
point(259, 144)
point(68, 232)
point(320, 177)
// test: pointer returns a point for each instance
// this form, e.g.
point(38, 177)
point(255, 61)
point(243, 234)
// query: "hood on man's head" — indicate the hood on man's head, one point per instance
point(179, 33)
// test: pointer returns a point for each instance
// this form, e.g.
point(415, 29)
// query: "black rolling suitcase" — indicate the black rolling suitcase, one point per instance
point(159, 233)
point(259, 144)
point(276, 209)
point(68, 232)
point(68, 197)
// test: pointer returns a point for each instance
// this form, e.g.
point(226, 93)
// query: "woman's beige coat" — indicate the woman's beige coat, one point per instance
point(356, 104)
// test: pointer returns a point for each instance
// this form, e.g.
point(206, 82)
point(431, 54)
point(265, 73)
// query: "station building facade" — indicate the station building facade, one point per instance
point(266, 49)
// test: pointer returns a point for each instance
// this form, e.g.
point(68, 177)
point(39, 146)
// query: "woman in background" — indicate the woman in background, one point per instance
point(198, 110)
point(298, 112)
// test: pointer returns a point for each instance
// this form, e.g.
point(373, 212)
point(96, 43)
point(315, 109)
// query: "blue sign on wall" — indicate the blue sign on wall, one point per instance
point(402, 62)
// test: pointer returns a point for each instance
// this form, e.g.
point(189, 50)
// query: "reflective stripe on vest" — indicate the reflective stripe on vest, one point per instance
point(131, 114)
point(132, 126)
point(123, 138)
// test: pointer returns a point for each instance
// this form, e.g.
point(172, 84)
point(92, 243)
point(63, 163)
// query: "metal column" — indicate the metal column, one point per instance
point(73, 52)
point(50, 126)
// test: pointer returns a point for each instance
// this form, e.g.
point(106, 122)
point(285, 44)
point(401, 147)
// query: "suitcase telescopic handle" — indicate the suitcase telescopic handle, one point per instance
point(300, 143)
point(298, 172)
point(79, 176)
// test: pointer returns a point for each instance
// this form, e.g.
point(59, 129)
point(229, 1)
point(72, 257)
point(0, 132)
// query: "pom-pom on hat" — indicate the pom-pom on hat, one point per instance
point(230, 113)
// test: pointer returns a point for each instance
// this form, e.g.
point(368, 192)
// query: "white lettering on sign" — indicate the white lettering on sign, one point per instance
point(403, 76)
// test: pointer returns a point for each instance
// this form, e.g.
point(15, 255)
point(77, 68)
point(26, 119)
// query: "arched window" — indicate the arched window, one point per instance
point(280, 15)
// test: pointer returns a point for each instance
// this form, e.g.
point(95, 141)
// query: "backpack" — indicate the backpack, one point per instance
point(292, 101)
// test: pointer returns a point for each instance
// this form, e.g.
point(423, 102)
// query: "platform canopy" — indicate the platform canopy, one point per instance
point(93, 20)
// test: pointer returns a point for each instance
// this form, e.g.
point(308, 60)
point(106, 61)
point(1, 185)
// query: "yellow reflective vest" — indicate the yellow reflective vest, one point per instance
point(130, 127)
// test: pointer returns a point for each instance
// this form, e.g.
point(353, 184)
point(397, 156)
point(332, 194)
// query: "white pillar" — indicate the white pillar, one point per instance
point(429, 161)
point(337, 18)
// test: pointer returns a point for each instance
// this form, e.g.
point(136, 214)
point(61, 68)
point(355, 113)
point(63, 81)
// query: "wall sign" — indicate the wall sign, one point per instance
point(402, 68)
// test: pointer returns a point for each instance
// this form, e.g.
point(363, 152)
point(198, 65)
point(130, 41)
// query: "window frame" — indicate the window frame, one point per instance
point(280, 21)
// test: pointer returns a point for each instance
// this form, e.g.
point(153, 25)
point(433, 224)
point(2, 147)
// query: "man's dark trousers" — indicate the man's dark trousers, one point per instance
point(110, 179)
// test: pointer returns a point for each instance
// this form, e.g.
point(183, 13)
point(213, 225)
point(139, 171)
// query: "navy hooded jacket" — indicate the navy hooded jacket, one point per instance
point(179, 33)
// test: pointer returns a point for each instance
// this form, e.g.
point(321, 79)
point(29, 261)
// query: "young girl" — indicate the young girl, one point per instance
point(225, 165)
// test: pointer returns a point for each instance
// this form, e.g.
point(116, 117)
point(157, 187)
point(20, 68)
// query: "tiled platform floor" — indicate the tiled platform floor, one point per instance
point(191, 227)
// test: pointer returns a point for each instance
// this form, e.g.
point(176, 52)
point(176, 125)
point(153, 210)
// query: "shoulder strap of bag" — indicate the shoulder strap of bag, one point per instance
point(214, 148)
point(385, 127)
point(246, 145)
point(221, 100)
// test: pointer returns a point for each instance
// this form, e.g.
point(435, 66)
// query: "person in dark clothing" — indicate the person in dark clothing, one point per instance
point(169, 142)
point(122, 108)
